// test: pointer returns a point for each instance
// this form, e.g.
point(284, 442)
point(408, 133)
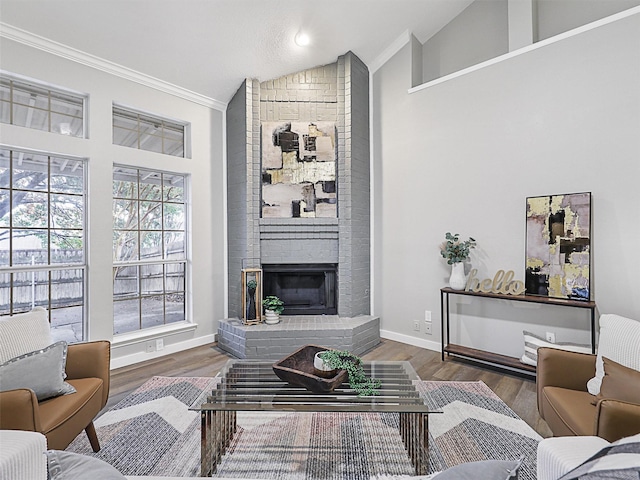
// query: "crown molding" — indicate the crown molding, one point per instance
point(36, 41)
point(393, 48)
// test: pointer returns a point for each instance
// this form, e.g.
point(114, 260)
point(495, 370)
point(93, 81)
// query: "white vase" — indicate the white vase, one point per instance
point(321, 368)
point(271, 317)
point(457, 280)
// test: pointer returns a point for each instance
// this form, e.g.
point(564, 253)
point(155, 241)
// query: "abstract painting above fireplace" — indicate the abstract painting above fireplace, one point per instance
point(298, 169)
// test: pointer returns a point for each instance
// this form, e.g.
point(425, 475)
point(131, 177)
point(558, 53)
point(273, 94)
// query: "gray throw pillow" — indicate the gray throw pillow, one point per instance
point(485, 470)
point(42, 371)
point(74, 466)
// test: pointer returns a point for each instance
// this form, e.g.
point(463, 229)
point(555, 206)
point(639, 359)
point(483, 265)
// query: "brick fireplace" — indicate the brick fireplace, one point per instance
point(326, 235)
point(305, 288)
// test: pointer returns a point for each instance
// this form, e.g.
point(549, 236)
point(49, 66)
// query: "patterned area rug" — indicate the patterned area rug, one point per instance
point(152, 432)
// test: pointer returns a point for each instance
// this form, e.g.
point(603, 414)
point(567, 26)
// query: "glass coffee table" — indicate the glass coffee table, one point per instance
point(248, 385)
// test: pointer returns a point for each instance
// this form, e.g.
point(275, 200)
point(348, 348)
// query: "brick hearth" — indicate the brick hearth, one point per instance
point(273, 342)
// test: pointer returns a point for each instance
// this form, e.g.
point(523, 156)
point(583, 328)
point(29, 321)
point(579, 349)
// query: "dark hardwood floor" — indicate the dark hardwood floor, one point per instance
point(206, 361)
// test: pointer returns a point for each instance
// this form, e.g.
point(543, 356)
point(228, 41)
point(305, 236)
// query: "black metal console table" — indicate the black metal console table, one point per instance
point(511, 363)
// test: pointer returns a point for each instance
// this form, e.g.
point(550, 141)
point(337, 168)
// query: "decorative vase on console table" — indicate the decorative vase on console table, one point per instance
point(457, 280)
point(456, 251)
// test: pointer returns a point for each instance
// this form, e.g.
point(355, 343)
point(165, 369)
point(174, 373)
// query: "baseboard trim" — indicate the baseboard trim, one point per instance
point(409, 340)
point(170, 349)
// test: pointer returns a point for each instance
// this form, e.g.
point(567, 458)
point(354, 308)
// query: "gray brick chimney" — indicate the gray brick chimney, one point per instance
point(337, 93)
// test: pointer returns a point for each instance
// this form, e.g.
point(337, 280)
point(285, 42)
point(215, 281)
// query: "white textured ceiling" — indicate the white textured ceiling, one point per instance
point(210, 46)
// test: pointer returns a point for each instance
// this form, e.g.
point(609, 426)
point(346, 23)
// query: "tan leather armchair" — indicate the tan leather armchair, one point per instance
point(62, 418)
point(569, 409)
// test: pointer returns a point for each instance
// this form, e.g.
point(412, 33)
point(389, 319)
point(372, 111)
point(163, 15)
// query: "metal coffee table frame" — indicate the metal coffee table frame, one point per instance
point(253, 386)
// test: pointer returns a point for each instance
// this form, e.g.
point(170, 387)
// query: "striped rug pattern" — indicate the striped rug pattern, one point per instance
point(152, 432)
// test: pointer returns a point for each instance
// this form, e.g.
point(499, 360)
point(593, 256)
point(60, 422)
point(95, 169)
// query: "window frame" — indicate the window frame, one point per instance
point(30, 83)
point(140, 263)
point(12, 270)
point(151, 118)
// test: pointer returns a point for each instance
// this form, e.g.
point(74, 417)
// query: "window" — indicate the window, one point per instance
point(147, 132)
point(149, 248)
point(42, 238)
point(32, 105)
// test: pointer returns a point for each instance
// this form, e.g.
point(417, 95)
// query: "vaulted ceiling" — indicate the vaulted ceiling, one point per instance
point(210, 46)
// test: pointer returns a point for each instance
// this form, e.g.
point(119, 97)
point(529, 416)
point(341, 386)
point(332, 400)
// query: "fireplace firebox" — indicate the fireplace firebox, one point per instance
point(306, 289)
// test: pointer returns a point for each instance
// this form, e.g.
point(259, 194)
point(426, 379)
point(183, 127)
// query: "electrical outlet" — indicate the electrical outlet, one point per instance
point(427, 315)
point(427, 328)
point(159, 343)
point(416, 325)
point(551, 337)
point(151, 347)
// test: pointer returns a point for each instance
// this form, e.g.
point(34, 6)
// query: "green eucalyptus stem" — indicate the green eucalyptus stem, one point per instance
point(358, 381)
point(454, 250)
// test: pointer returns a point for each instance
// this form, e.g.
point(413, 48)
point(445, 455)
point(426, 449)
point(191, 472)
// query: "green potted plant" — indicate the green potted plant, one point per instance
point(273, 307)
point(456, 252)
point(358, 380)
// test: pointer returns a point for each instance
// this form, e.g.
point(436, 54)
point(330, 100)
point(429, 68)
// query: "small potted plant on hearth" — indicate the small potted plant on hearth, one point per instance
point(273, 307)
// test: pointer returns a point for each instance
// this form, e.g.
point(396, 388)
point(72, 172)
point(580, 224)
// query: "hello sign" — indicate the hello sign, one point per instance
point(502, 283)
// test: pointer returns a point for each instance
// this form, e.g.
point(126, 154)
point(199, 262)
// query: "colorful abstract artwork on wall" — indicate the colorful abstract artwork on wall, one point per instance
point(558, 246)
point(298, 169)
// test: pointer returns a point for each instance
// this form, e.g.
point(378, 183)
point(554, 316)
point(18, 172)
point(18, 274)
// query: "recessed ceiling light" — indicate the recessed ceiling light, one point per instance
point(302, 39)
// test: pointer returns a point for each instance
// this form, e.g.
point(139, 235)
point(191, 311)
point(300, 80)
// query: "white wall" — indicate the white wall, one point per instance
point(462, 156)
point(559, 16)
point(205, 167)
point(478, 33)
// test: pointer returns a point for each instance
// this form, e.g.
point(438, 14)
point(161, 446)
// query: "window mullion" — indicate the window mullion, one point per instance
point(49, 111)
point(49, 298)
point(11, 101)
point(162, 205)
point(164, 294)
point(11, 154)
point(139, 267)
point(49, 217)
point(162, 133)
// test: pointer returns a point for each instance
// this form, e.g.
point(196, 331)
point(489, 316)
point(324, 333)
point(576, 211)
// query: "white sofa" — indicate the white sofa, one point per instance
point(22, 457)
point(559, 455)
